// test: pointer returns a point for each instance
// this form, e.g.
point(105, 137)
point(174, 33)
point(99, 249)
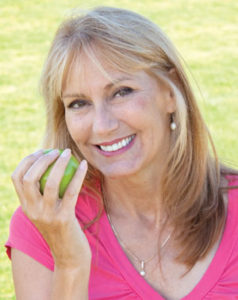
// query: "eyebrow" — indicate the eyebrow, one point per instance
point(107, 87)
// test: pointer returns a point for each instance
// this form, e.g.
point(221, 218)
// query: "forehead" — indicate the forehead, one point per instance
point(84, 71)
point(102, 58)
point(89, 70)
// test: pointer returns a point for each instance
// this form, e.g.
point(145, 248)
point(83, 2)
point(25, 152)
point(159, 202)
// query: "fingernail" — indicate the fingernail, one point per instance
point(83, 164)
point(66, 153)
point(38, 152)
point(53, 152)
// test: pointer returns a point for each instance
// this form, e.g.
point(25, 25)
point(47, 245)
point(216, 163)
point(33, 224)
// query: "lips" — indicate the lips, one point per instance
point(116, 144)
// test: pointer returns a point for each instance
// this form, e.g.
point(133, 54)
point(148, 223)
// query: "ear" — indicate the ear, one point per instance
point(170, 98)
point(167, 86)
point(174, 78)
point(171, 101)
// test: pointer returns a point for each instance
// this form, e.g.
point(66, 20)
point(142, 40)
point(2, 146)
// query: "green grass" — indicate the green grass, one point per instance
point(205, 32)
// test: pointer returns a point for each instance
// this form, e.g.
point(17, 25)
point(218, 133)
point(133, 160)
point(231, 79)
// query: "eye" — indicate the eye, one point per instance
point(77, 104)
point(122, 92)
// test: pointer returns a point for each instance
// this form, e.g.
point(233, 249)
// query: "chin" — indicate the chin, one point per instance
point(115, 172)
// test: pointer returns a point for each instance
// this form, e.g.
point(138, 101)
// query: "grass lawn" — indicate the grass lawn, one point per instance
point(205, 32)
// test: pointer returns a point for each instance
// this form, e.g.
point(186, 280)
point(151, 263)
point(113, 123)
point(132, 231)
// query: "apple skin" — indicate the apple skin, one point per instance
point(68, 174)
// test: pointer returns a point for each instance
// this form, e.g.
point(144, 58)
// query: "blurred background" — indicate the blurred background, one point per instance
point(204, 31)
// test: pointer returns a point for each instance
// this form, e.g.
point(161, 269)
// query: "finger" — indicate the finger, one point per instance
point(34, 173)
point(20, 171)
point(71, 194)
point(51, 190)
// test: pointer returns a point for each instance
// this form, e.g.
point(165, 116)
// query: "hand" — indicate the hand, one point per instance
point(54, 217)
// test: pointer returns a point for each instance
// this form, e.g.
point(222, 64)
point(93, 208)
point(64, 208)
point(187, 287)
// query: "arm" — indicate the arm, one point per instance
point(34, 281)
point(56, 221)
point(70, 284)
point(31, 279)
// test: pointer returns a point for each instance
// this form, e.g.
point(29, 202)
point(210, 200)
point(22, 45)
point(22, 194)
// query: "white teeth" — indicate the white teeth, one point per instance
point(118, 145)
point(115, 147)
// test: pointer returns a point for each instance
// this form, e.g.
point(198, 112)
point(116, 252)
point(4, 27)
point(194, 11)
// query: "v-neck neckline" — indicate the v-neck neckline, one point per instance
point(143, 289)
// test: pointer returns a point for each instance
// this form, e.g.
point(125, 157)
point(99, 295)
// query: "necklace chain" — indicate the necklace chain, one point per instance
point(141, 261)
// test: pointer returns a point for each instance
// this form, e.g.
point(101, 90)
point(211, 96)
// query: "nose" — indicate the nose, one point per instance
point(104, 122)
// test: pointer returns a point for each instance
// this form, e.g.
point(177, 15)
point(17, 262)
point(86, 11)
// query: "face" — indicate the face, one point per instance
point(121, 126)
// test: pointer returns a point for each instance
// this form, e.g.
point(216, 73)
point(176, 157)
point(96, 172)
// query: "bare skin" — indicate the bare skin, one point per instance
point(98, 113)
point(55, 219)
point(139, 228)
point(136, 222)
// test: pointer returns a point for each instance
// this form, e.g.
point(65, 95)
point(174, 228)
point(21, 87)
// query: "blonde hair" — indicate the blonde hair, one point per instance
point(129, 43)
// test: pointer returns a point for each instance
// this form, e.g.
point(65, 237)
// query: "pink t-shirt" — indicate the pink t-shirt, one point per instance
point(112, 274)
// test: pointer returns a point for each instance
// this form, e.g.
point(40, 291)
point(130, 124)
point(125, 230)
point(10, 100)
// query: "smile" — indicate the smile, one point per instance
point(117, 146)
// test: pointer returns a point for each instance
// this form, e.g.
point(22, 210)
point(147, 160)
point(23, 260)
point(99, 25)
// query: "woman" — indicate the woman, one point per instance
point(156, 213)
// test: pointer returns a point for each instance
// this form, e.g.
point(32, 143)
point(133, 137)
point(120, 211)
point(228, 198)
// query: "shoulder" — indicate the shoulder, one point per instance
point(233, 188)
point(231, 226)
point(232, 197)
point(227, 254)
point(25, 237)
point(20, 224)
point(232, 179)
point(229, 278)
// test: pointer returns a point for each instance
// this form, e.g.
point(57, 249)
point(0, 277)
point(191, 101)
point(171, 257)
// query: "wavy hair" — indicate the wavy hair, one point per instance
point(128, 42)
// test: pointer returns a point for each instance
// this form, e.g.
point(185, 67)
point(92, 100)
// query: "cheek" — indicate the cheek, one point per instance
point(146, 110)
point(153, 119)
point(76, 127)
point(141, 104)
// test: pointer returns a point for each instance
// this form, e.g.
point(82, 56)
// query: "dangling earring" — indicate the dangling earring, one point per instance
point(173, 125)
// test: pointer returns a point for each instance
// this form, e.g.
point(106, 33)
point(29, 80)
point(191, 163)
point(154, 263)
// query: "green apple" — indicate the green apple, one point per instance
point(68, 174)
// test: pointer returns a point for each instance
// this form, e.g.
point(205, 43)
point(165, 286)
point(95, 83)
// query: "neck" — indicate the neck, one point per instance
point(134, 197)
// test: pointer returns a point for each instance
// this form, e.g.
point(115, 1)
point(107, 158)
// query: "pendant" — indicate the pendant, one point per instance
point(142, 271)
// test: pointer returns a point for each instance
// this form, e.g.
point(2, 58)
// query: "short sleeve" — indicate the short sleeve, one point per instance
point(25, 237)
